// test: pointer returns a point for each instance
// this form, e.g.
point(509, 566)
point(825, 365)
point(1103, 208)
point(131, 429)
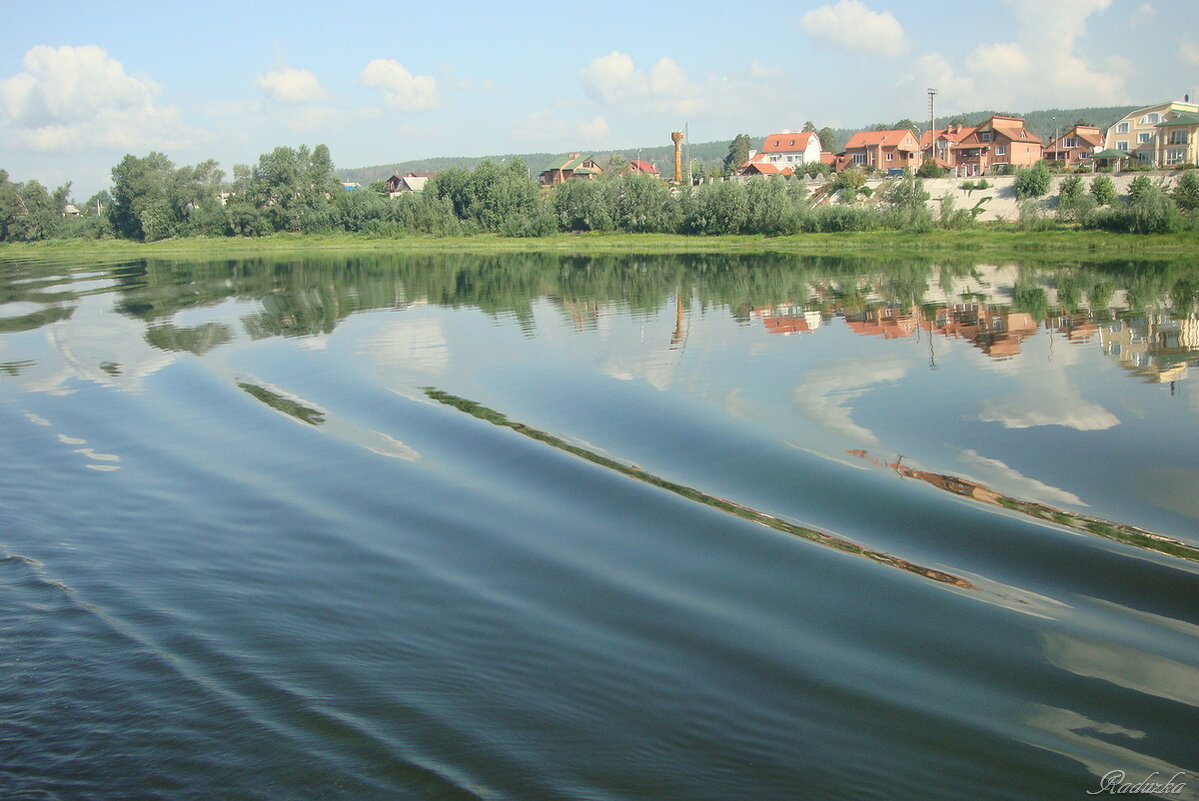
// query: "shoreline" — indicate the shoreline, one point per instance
point(992, 242)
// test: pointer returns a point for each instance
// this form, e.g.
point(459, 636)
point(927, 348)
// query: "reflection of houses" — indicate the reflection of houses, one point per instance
point(888, 322)
point(572, 166)
point(996, 332)
point(787, 318)
point(1155, 347)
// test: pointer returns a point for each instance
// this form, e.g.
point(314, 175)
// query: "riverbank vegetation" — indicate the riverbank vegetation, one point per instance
point(293, 192)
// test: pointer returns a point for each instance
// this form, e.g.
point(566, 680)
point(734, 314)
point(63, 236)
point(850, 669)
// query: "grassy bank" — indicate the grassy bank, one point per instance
point(990, 242)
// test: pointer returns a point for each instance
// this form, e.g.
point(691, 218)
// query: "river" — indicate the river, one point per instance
point(540, 527)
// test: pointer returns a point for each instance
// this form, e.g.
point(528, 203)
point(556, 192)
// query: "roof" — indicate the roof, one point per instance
point(874, 138)
point(1087, 133)
point(1183, 118)
point(571, 162)
point(643, 166)
point(1110, 153)
point(787, 142)
point(764, 168)
point(1011, 127)
point(952, 134)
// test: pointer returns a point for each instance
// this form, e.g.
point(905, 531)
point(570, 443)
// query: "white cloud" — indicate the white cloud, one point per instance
point(400, 87)
point(549, 127)
point(78, 98)
point(290, 85)
point(850, 25)
point(1012, 482)
point(613, 78)
point(825, 395)
point(615, 81)
point(1145, 13)
point(1041, 68)
point(1188, 51)
point(1056, 405)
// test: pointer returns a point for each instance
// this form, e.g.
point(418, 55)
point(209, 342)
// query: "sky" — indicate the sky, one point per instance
point(386, 82)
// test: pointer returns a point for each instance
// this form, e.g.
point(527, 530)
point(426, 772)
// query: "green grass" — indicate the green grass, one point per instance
point(991, 241)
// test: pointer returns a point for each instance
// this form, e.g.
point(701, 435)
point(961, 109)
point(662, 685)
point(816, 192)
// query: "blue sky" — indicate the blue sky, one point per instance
point(382, 82)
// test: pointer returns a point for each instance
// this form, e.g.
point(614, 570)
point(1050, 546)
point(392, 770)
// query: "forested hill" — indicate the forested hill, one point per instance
point(1041, 123)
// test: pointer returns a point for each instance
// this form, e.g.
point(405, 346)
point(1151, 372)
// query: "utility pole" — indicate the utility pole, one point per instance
point(932, 123)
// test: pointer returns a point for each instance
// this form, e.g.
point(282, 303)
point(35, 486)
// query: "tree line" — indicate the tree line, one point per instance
point(296, 190)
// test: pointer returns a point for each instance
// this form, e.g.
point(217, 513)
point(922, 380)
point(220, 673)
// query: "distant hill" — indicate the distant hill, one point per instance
point(1041, 123)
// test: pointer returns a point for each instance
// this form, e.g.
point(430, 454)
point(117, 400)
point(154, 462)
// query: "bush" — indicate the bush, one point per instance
point(1033, 181)
point(1070, 200)
point(1085, 168)
point(930, 169)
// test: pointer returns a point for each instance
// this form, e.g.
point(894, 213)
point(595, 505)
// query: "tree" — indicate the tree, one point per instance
point(1186, 192)
point(1104, 190)
point(809, 127)
point(905, 125)
point(738, 153)
point(616, 163)
point(149, 199)
point(828, 140)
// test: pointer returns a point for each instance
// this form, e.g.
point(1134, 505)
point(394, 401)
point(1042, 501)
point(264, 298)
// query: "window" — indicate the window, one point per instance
point(985, 136)
point(1122, 127)
point(1151, 119)
point(1175, 156)
point(1001, 150)
point(859, 158)
point(1178, 137)
point(1069, 142)
point(1122, 146)
point(890, 157)
point(1142, 139)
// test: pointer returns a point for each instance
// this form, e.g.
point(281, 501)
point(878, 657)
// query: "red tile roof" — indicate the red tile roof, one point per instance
point(874, 138)
point(643, 166)
point(786, 142)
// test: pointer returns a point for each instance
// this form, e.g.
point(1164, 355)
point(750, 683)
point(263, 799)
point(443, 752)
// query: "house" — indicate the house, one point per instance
point(759, 166)
point(891, 151)
point(409, 182)
point(1075, 146)
point(1001, 141)
point(1135, 133)
point(572, 166)
point(1177, 140)
point(639, 167)
point(937, 144)
point(789, 149)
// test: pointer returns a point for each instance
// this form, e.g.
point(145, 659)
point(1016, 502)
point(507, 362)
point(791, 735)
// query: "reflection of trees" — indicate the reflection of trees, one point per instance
point(300, 296)
point(753, 515)
point(197, 339)
point(289, 407)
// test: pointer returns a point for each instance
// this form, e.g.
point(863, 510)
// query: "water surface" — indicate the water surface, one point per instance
point(542, 527)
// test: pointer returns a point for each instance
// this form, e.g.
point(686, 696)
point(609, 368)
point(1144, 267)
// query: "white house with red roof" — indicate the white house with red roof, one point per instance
point(784, 153)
